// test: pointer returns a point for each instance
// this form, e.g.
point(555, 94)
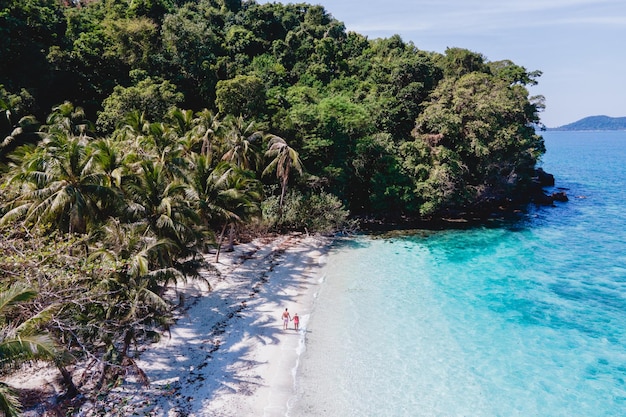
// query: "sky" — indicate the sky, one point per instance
point(579, 45)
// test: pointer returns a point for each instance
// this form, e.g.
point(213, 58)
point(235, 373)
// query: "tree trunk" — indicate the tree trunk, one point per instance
point(206, 147)
point(231, 238)
point(219, 243)
point(283, 184)
point(72, 391)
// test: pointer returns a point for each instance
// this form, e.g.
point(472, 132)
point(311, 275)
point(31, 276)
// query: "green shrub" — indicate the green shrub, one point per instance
point(313, 213)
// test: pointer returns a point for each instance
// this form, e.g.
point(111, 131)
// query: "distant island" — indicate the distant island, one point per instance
point(595, 123)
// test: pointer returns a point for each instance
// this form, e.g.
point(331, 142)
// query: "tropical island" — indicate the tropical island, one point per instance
point(138, 137)
point(595, 123)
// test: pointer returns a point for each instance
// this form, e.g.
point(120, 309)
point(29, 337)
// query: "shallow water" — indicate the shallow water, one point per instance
point(524, 320)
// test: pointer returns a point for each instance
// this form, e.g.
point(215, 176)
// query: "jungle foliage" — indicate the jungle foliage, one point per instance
point(139, 134)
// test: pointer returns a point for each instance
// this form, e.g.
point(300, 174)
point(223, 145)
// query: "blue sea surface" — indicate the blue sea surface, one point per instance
point(528, 319)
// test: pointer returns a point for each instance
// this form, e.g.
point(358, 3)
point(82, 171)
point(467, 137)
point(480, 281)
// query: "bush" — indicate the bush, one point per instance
point(312, 213)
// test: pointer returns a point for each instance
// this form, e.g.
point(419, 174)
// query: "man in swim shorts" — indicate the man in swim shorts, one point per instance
point(286, 318)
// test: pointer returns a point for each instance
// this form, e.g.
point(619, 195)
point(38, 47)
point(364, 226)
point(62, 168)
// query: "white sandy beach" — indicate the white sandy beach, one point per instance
point(228, 355)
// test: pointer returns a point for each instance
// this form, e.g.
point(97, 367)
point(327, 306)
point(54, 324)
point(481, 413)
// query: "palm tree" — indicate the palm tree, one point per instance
point(154, 198)
point(285, 158)
point(159, 139)
point(132, 283)
point(133, 132)
point(65, 188)
point(181, 120)
point(225, 195)
point(20, 343)
point(163, 144)
point(133, 255)
point(112, 161)
point(135, 123)
point(241, 140)
point(187, 141)
point(69, 119)
point(207, 126)
point(245, 196)
point(25, 131)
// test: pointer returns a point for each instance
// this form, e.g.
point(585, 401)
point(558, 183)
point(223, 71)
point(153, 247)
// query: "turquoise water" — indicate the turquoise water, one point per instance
point(524, 320)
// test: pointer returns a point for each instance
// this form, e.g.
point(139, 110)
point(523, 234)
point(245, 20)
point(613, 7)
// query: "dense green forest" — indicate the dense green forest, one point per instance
point(138, 135)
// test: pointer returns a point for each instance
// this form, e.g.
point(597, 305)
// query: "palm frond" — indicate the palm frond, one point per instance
point(139, 264)
point(17, 293)
point(152, 299)
point(30, 326)
point(15, 214)
point(17, 350)
point(9, 402)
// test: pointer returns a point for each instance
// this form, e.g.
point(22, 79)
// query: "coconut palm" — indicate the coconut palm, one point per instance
point(130, 282)
point(69, 119)
point(242, 199)
point(112, 161)
point(165, 146)
point(135, 124)
point(207, 126)
point(186, 140)
point(63, 186)
point(132, 257)
point(154, 198)
point(20, 342)
point(159, 138)
point(225, 195)
point(241, 141)
point(285, 158)
point(25, 131)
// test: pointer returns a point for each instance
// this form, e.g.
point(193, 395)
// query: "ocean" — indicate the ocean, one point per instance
point(527, 319)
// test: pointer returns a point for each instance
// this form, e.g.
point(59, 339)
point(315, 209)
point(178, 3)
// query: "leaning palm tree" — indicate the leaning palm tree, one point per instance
point(20, 343)
point(285, 158)
point(131, 285)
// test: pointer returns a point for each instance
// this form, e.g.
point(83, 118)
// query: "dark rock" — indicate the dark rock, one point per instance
point(543, 199)
point(545, 179)
point(560, 196)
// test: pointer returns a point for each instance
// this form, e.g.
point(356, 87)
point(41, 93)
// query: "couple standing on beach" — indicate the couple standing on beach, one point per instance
point(287, 318)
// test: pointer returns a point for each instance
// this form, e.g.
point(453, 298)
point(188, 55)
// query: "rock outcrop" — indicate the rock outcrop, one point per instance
point(539, 196)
